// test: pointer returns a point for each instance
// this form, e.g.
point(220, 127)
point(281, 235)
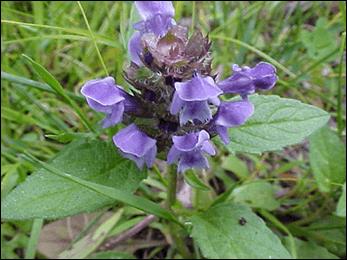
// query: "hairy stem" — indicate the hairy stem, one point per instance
point(171, 186)
point(170, 200)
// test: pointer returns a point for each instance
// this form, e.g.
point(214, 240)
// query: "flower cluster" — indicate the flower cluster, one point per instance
point(177, 108)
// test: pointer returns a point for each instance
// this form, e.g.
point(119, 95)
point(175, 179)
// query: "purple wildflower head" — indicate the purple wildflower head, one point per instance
point(175, 93)
point(245, 80)
point(104, 96)
point(188, 150)
point(231, 114)
point(136, 145)
point(193, 97)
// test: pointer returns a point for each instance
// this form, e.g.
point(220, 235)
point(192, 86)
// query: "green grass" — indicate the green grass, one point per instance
point(78, 41)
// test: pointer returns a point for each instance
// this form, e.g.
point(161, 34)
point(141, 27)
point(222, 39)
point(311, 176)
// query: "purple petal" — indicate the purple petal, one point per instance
point(232, 114)
point(114, 117)
point(198, 89)
point(185, 142)
point(264, 75)
point(176, 104)
point(150, 156)
point(190, 141)
point(138, 160)
point(203, 136)
point(147, 9)
point(245, 80)
point(130, 104)
point(134, 48)
point(158, 25)
point(100, 108)
point(195, 110)
point(173, 155)
point(103, 91)
point(237, 83)
point(208, 148)
point(139, 26)
point(194, 159)
point(215, 101)
point(132, 140)
point(262, 69)
point(223, 133)
point(265, 83)
point(236, 68)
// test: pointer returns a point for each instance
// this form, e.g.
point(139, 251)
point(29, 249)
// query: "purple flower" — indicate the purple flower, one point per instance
point(157, 18)
point(134, 48)
point(104, 96)
point(245, 80)
point(188, 150)
point(136, 145)
point(231, 114)
point(193, 97)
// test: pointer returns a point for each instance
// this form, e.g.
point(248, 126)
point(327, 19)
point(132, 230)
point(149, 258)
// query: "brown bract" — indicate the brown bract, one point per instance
point(174, 55)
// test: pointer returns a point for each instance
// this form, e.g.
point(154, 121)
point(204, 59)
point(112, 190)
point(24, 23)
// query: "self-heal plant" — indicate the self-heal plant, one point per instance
point(180, 114)
point(178, 95)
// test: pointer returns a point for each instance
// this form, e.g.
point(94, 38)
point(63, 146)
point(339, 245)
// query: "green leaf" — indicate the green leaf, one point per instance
point(47, 77)
point(331, 233)
point(194, 181)
point(341, 205)
point(327, 158)
point(320, 42)
point(237, 166)
point(309, 250)
point(220, 234)
point(45, 195)
point(276, 122)
point(257, 195)
point(67, 137)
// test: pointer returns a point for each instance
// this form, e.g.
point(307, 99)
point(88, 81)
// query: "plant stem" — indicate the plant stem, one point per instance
point(171, 186)
point(170, 200)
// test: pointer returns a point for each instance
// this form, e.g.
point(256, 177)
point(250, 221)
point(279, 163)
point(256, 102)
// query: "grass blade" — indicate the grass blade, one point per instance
point(51, 81)
point(260, 53)
point(92, 35)
point(34, 84)
point(34, 237)
point(107, 40)
point(20, 118)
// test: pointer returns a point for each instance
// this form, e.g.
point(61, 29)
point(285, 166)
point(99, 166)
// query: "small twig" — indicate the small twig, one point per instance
point(130, 232)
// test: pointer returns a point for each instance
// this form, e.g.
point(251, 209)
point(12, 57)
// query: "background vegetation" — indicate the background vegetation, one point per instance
point(305, 41)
